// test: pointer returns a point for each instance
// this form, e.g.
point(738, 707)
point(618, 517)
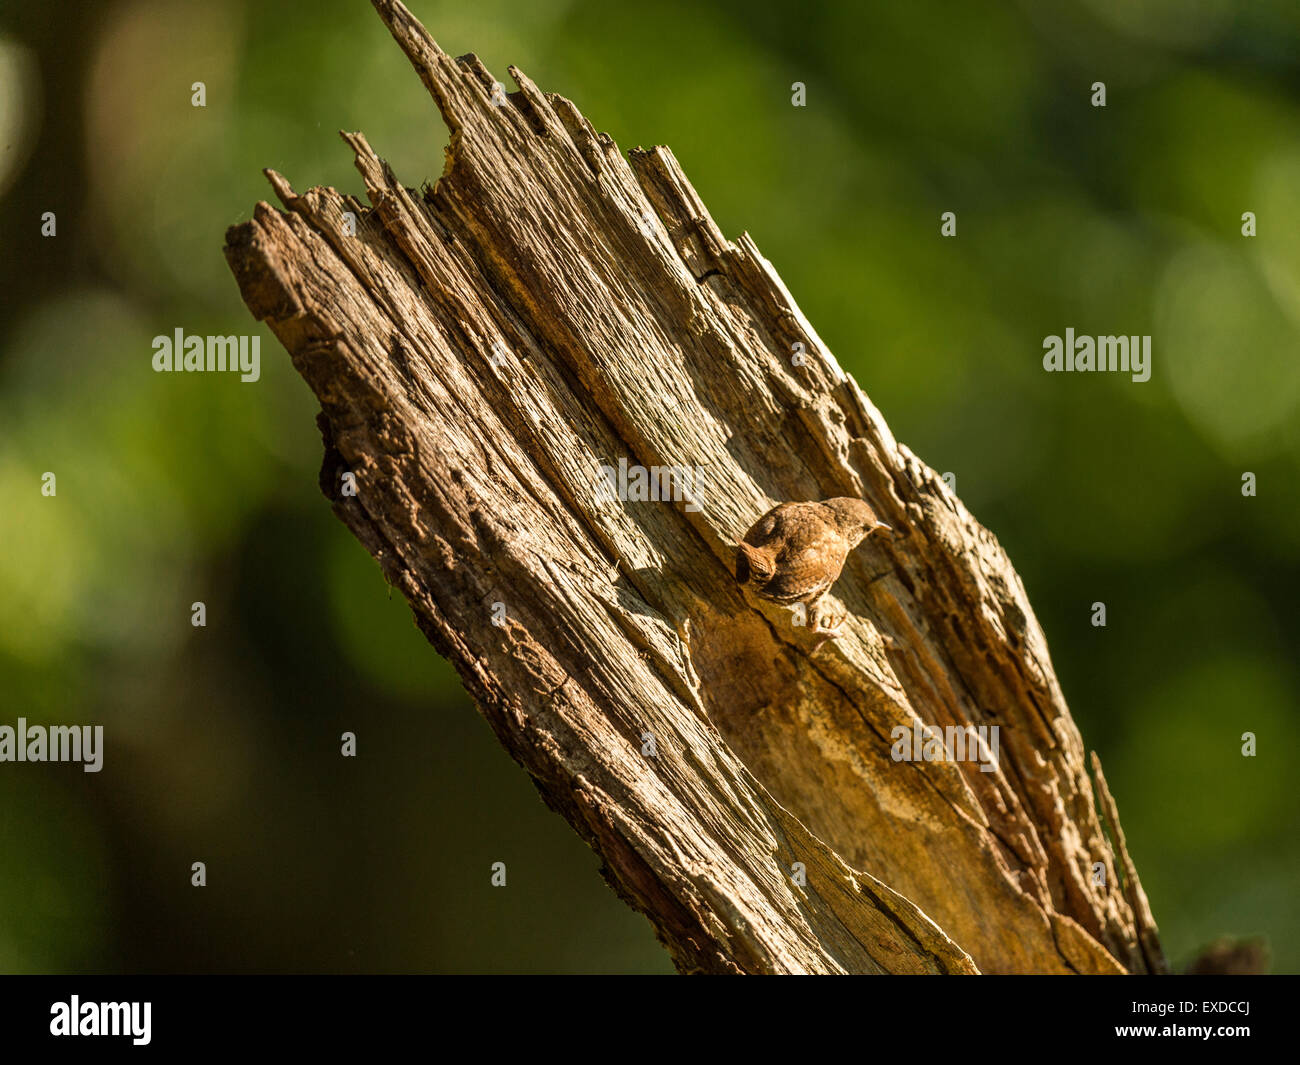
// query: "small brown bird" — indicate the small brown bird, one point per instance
point(795, 552)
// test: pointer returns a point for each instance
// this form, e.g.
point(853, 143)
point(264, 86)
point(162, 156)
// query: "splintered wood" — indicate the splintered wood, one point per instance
point(506, 363)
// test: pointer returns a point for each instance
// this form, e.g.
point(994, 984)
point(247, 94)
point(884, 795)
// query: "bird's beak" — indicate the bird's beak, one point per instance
point(882, 525)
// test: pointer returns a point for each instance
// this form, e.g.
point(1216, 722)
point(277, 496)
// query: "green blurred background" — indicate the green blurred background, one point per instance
point(223, 742)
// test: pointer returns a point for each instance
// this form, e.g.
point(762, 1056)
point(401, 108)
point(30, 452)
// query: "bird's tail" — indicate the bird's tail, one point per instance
point(753, 564)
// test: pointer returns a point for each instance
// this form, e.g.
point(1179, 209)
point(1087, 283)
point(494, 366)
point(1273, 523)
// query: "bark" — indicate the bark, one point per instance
point(480, 349)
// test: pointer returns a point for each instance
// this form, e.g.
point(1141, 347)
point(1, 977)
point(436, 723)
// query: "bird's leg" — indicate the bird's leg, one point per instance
point(827, 624)
point(826, 618)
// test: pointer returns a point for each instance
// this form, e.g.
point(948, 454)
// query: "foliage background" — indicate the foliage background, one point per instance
point(222, 743)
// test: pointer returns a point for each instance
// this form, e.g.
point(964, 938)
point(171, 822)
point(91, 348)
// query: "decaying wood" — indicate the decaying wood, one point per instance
point(480, 350)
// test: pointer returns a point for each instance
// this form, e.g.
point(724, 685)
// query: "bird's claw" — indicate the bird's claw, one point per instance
point(829, 621)
point(827, 625)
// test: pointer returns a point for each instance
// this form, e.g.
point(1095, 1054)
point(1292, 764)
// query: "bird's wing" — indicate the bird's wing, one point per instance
point(806, 568)
point(770, 524)
point(809, 534)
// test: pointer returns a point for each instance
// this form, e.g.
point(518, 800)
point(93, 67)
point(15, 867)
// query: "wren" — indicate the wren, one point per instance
point(795, 552)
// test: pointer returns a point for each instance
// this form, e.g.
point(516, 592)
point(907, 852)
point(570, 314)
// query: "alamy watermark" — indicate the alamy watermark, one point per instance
point(953, 743)
point(641, 484)
point(196, 354)
point(1081, 354)
point(55, 743)
point(75, 1017)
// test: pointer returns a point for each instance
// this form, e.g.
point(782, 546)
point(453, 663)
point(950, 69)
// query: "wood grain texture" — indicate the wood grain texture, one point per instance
point(480, 349)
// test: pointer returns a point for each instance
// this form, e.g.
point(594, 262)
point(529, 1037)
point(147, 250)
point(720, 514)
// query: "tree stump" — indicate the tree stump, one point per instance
point(504, 362)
